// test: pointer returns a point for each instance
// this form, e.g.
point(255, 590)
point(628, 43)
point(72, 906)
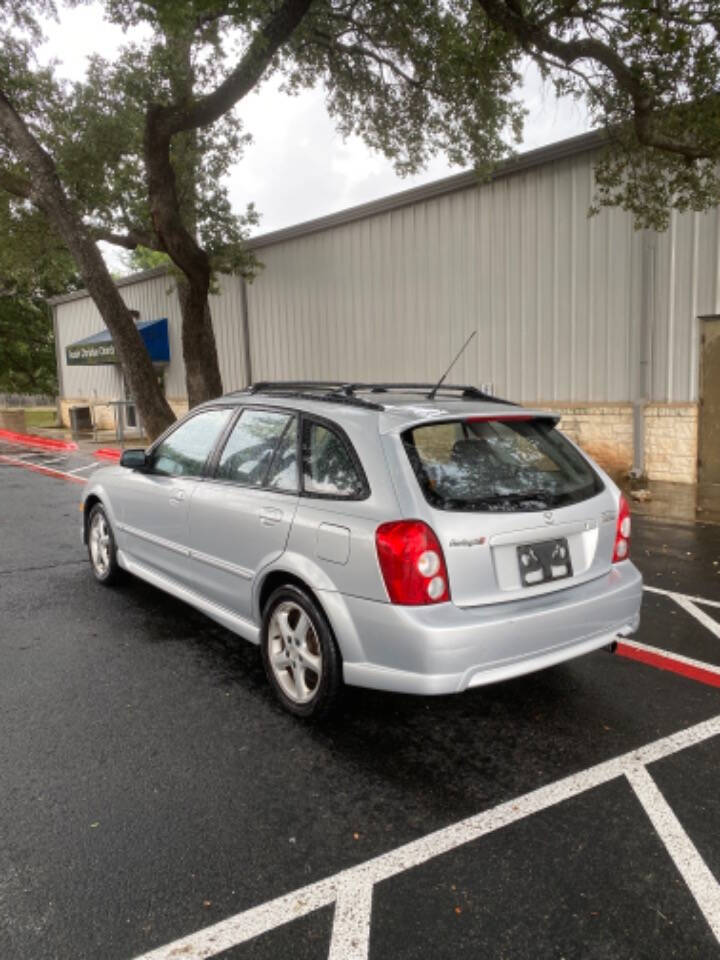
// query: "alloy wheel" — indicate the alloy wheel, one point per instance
point(100, 544)
point(294, 652)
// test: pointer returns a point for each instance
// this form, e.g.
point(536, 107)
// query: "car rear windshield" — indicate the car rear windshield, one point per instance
point(498, 464)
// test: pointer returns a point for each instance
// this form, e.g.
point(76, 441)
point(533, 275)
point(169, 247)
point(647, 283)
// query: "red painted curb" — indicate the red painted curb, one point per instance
point(32, 440)
point(38, 468)
point(108, 453)
point(663, 662)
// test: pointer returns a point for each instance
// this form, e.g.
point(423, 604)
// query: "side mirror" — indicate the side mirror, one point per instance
point(134, 460)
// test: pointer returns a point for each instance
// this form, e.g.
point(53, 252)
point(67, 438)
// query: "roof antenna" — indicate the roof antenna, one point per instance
point(441, 381)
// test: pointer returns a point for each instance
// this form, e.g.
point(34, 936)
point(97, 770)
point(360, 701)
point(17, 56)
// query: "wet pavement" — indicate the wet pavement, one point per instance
point(151, 786)
point(680, 503)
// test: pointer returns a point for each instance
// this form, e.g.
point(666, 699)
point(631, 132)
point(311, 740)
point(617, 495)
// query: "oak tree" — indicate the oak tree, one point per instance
point(136, 155)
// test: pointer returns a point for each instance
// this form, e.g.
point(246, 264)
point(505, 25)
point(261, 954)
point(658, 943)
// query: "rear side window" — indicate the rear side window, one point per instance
point(183, 453)
point(329, 467)
point(250, 452)
point(498, 465)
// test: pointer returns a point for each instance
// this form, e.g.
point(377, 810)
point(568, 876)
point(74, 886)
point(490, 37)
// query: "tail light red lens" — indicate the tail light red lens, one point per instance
point(621, 550)
point(412, 563)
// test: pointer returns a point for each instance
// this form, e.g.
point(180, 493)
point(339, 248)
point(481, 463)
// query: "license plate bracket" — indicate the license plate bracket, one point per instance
point(544, 562)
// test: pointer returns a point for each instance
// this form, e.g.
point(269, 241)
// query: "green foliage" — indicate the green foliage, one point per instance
point(27, 352)
point(141, 258)
point(34, 265)
point(411, 78)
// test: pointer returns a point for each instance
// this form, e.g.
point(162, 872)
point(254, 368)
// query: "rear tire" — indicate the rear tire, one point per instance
point(102, 549)
point(301, 658)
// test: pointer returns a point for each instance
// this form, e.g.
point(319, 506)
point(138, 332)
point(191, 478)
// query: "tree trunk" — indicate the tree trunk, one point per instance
point(202, 371)
point(174, 225)
point(173, 194)
point(47, 194)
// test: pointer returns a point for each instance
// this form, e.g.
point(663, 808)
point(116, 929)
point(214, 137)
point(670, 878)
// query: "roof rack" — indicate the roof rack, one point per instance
point(339, 391)
point(332, 391)
point(466, 391)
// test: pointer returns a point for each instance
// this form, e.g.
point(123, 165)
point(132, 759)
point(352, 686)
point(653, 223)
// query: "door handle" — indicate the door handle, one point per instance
point(270, 515)
point(177, 496)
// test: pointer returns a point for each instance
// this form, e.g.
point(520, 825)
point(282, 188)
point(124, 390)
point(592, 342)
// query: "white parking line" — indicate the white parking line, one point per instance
point(39, 468)
point(351, 923)
point(37, 456)
point(87, 466)
point(691, 866)
point(686, 596)
point(689, 606)
point(352, 929)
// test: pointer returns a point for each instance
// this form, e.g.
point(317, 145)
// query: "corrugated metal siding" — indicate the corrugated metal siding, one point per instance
point(153, 298)
point(556, 297)
point(226, 310)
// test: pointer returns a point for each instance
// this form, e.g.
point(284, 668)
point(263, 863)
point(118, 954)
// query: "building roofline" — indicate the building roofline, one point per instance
point(583, 143)
point(120, 282)
point(466, 180)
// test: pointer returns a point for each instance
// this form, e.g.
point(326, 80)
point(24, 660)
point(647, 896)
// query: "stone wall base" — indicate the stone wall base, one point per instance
point(605, 431)
point(103, 414)
point(671, 442)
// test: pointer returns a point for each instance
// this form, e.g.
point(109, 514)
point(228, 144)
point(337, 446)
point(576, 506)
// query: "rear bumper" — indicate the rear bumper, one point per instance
point(446, 649)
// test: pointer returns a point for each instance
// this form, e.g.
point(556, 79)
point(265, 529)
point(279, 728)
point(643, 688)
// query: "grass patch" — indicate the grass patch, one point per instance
point(40, 417)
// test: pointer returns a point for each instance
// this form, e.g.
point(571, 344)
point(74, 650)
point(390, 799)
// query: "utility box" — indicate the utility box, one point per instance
point(80, 420)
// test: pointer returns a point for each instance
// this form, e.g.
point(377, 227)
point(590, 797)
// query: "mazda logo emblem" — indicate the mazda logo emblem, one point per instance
point(548, 516)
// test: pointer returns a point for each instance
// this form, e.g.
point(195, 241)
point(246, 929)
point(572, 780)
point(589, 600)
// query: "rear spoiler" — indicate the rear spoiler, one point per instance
point(511, 417)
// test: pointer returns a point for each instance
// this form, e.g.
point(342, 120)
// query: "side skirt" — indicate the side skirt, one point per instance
point(244, 628)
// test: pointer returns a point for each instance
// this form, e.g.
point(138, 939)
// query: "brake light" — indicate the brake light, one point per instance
point(412, 563)
point(621, 550)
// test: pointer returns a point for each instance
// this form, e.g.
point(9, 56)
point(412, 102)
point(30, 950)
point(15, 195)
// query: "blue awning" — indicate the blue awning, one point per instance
point(100, 349)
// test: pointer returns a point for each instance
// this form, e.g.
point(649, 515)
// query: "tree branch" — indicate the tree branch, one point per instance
point(163, 122)
point(131, 240)
point(263, 47)
point(532, 34)
point(357, 49)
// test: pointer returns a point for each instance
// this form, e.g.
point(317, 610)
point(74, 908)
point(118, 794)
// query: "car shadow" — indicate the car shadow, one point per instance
point(468, 750)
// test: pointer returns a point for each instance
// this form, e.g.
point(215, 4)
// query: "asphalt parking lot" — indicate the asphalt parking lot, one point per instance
point(156, 802)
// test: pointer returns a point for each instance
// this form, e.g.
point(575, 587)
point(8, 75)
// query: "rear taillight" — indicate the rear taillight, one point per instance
point(412, 563)
point(621, 551)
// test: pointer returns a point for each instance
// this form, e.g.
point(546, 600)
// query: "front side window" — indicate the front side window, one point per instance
point(497, 464)
point(329, 468)
point(184, 452)
point(249, 457)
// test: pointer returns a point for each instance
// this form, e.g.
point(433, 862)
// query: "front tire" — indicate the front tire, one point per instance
point(101, 548)
point(300, 655)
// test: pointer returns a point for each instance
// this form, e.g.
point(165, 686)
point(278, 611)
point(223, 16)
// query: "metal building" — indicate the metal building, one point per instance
point(584, 315)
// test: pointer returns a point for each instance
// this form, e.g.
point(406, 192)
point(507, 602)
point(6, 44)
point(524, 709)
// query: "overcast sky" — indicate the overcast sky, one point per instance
point(297, 167)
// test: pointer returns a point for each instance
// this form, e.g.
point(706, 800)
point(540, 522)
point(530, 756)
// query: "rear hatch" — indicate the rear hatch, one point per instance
point(517, 509)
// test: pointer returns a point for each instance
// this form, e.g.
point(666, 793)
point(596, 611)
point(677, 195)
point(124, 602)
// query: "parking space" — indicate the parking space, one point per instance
point(160, 804)
point(53, 459)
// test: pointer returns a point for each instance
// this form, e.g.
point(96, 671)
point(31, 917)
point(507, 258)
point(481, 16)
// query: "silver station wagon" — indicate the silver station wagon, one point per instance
point(394, 536)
